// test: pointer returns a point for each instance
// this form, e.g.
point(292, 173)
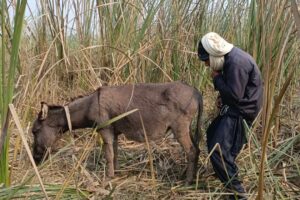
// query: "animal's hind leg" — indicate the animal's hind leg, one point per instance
point(115, 146)
point(181, 132)
point(108, 139)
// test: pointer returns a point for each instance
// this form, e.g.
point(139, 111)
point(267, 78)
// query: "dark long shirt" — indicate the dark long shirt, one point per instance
point(240, 84)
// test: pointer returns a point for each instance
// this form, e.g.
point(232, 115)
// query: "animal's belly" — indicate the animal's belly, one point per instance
point(139, 135)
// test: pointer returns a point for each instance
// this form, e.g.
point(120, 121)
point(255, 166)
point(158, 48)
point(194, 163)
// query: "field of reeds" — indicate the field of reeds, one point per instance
point(54, 50)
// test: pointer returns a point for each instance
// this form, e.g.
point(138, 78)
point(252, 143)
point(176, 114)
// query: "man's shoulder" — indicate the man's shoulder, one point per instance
point(239, 57)
point(238, 52)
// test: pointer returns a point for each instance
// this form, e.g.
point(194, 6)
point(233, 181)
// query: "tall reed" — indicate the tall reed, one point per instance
point(276, 39)
point(75, 46)
point(8, 77)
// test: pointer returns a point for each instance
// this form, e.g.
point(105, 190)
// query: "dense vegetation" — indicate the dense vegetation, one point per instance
point(62, 49)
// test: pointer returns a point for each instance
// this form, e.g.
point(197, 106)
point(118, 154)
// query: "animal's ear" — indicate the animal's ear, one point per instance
point(44, 111)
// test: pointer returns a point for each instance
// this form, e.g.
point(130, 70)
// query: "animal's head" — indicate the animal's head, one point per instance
point(46, 129)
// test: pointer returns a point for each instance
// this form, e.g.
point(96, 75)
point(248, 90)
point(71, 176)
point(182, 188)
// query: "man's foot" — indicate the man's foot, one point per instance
point(236, 195)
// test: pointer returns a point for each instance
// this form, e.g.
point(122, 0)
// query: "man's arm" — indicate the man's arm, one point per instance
point(232, 91)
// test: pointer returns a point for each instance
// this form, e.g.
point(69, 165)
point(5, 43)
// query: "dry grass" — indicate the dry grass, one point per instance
point(112, 43)
point(133, 179)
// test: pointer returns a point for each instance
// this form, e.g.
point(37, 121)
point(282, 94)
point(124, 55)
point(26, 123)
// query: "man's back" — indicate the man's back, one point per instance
point(239, 65)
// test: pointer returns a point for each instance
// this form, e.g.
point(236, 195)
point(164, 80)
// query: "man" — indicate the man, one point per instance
point(238, 80)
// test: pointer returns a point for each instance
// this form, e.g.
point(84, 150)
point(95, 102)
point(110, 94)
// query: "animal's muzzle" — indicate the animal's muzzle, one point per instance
point(38, 154)
point(37, 158)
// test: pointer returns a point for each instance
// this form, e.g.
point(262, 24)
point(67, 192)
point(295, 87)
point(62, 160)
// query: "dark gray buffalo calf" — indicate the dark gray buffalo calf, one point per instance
point(161, 106)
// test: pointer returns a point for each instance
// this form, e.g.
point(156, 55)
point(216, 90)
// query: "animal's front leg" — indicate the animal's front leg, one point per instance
point(108, 139)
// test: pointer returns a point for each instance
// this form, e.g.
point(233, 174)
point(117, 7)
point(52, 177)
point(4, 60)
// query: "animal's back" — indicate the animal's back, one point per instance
point(160, 106)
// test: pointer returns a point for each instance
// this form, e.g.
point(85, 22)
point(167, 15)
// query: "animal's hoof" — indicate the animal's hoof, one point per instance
point(108, 178)
point(107, 181)
point(117, 167)
point(188, 183)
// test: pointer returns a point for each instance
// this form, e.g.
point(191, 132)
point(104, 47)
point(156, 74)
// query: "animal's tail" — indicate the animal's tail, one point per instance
point(198, 135)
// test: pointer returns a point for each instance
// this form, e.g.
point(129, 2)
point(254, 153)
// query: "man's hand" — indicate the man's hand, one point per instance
point(219, 103)
point(214, 73)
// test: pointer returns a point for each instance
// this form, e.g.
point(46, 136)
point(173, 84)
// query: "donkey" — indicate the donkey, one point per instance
point(161, 107)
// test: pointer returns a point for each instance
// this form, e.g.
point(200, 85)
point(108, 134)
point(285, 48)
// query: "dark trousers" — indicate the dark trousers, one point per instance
point(228, 131)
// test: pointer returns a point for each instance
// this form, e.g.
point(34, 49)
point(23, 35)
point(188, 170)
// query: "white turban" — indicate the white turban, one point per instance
point(216, 47)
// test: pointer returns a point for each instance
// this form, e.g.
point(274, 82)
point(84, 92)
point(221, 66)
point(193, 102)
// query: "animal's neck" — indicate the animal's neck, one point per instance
point(81, 112)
